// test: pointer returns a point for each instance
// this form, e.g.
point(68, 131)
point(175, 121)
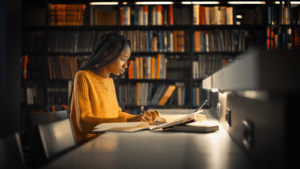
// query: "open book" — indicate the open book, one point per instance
point(136, 126)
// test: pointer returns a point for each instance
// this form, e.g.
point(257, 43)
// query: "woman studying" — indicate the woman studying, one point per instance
point(93, 96)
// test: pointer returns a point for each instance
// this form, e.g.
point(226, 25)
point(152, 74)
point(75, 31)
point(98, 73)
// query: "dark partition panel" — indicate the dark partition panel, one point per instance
point(10, 66)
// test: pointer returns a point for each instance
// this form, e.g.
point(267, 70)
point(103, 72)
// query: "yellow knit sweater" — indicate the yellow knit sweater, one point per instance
point(93, 102)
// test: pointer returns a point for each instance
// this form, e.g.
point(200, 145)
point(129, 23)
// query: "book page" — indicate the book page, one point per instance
point(121, 126)
point(182, 120)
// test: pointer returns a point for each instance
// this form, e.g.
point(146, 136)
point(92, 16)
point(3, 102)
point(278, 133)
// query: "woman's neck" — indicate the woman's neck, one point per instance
point(102, 72)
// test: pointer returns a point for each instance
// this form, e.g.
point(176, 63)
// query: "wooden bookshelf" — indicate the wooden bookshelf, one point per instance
point(190, 53)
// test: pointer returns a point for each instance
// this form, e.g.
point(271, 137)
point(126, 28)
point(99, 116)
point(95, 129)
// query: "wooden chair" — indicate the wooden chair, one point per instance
point(11, 153)
point(57, 138)
point(35, 119)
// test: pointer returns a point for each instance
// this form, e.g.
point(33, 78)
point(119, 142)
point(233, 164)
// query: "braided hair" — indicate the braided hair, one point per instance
point(107, 50)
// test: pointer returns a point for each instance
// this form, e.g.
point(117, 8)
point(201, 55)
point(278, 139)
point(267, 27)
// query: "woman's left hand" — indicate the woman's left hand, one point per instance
point(154, 115)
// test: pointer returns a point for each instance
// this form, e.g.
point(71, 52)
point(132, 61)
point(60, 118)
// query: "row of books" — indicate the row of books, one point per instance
point(220, 40)
point(149, 67)
point(214, 15)
point(33, 16)
point(156, 67)
point(62, 67)
point(146, 94)
point(103, 15)
point(33, 95)
point(57, 94)
point(175, 62)
point(254, 16)
point(145, 15)
point(73, 41)
point(283, 38)
point(206, 65)
point(66, 14)
point(283, 15)
point(158, 41)
point(34, 41)
point(75, 14)
point(33, 67)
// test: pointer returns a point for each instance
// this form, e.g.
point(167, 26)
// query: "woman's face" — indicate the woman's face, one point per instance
point(119, 66)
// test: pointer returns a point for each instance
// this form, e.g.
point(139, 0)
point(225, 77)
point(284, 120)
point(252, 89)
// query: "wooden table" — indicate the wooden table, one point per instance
point(157, 149)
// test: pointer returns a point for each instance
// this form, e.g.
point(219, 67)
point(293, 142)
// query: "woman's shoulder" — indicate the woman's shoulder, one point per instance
point(81, 74)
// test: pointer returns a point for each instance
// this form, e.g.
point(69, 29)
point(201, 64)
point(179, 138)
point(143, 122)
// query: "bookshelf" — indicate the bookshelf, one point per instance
point(219, 41)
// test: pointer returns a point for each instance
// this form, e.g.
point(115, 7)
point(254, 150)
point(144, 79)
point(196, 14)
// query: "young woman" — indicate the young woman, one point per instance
point(93, 98)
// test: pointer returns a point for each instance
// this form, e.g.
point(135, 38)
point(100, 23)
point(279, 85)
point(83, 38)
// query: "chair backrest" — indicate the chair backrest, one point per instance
point(48, 117)
point(11, 153)
point(35, 119)
point(57, 137)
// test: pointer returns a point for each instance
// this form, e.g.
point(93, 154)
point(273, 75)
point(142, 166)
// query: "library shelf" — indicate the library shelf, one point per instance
point(212, 27)
point(153, 80)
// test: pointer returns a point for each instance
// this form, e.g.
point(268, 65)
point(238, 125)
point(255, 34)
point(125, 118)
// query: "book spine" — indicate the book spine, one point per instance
point(141, 66)
point(196, 14)
point(167, 95)
point(25, 62)
point(158, 14)
point(162, 66)
point(179, 96)
point(272, 45)
point(157, 91)
point(217, 15)
point(92, 17)
point(140, 15)
point(212, 16)
point(145, 15)
point(175, 41)
point(269, 14)
point(150, 38)
point(170, 15)
point(268, 38)
point(197, 41)
point(128, 15)
point(125, 15)
point(147, 41)
point(202, 15)
point(158, 68)
point(289, 35)
point(149, 93)
point(183, 95)
point(223, 15)
point(160, 41)
point(153, 15)
point(229, 15)
point(171, 41)
point(207, 15)
point(153, 68)
point(148, 67)
point(160, 94)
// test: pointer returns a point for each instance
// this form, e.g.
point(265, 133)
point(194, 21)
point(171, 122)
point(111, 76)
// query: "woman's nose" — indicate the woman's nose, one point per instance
point(125, 65)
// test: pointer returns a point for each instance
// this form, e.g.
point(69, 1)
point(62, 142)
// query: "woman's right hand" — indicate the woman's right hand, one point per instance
point(140, 118)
